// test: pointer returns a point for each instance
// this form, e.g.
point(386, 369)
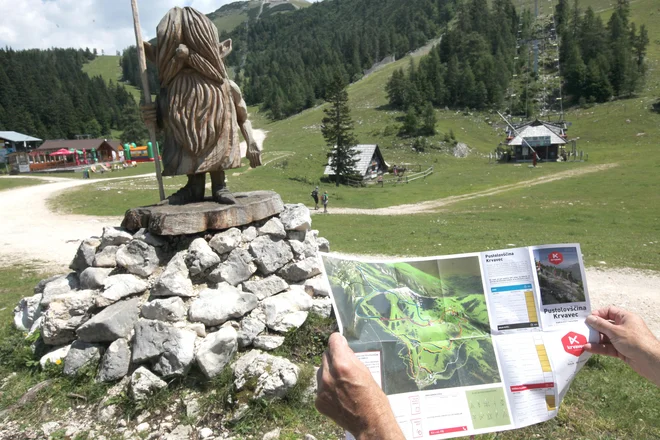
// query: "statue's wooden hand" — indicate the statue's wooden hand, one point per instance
point(150, 115)
point(254, 155)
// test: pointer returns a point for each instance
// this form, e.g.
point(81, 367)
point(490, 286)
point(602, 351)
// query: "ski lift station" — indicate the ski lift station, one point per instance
point(548, 139)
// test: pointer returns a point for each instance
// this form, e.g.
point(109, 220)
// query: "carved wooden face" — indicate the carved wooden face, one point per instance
point(189, 39)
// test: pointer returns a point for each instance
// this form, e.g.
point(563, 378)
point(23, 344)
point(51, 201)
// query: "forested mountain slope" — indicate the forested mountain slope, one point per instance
point(45, 93)
point(285, 61)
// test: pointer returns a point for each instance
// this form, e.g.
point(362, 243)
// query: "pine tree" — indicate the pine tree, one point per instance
point(337, 129)
point(395, 88)
point(410, 122)
point(428, 119)
point(639, 45)
point(598, 87)
point(135, 131)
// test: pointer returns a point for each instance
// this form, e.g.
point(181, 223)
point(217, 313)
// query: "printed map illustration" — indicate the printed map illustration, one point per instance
point(428, 318)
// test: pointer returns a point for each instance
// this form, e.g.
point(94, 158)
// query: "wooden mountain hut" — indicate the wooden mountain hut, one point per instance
point(546, 138)
point(370, 165)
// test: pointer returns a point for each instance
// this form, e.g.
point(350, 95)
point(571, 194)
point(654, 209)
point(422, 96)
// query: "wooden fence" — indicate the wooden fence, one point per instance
point(405, 178)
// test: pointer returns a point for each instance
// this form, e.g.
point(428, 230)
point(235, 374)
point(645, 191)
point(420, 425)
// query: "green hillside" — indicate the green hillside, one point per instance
point(230, 16)
point(108, 68)
point(612, 212)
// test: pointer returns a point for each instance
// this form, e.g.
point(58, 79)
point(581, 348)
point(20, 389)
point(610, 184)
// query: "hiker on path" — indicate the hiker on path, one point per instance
point(325, 202)
point(315, 196)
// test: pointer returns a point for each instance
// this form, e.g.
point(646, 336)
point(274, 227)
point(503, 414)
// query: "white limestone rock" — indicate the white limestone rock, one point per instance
point(306, 248)
point(80, 355)
point(85, 255)
point(296, 218)
point(114, 237)
point(270, 255)
point(201, 257)
point(117, 287)
point(205, 433)
point(249, 234)
point(41, 285)
point(112, 323)
point(275, 376)
point(107, 257)
point(317, 286)
point(251, 326)
point(287, 310)
point(226, 241)
point(181, 432)
point(323, 244)
point(60, 286)
point(268, 342)
point(58, 354)
point(216, 306)
point(144, 384)
point(174, 281)
point(94, 277)
point(273, 227)
point(237, 268)
point(170, 349)
point(64, 315)
point(149, 238)
point(139, 258)
point(27, 312)
point(272, 435)
point(167, 309)
point(116, 361)
point(216, 351)
point(301, 270)
point(266, 287)
point(322, 307)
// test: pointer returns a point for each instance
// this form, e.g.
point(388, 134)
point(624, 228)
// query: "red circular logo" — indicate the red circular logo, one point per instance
point(574, 343)
point(555, 257)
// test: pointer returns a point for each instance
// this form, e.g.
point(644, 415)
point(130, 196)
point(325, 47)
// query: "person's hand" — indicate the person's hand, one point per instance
point(624, 335)
point(348, 394)
point(253, 154)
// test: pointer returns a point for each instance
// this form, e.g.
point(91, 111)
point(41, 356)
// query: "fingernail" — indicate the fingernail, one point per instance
point(591, 319)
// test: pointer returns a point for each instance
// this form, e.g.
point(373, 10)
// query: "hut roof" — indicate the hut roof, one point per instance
point(13, 136)
point(79, 144)
point(364, 155)
point(539, 129)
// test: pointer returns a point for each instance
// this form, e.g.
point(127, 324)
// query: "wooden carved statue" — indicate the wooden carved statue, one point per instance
point(200, 109)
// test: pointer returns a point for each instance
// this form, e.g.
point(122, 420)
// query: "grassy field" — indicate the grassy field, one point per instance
point(10, 183)
point(230, 20)
point(141, 168)
point(108, 68)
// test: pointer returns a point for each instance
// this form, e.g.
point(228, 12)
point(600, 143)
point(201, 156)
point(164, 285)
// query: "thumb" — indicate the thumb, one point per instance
point(602, 325)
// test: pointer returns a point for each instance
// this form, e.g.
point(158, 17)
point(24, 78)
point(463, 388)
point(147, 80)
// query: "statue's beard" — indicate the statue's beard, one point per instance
point(195, 111)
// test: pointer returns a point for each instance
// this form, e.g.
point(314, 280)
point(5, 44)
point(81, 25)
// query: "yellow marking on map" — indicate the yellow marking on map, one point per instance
point(550, 402)
point(531, 307)
point(543, 357)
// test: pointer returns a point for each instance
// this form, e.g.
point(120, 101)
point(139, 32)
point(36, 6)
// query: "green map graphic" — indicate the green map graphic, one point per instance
point(435, 311)
point(488, 408)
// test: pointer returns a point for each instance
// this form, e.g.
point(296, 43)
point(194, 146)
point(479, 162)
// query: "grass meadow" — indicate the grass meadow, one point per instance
point(11, 183)
point(614, 214)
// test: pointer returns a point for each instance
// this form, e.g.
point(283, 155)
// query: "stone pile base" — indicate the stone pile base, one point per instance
point(150, 306)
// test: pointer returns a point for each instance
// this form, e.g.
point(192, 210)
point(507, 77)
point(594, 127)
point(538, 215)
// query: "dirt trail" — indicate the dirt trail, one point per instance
point(433, 205)
point(31, 232)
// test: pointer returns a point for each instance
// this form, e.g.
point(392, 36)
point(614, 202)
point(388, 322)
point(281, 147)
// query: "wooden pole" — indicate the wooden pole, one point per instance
point(142, 60)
